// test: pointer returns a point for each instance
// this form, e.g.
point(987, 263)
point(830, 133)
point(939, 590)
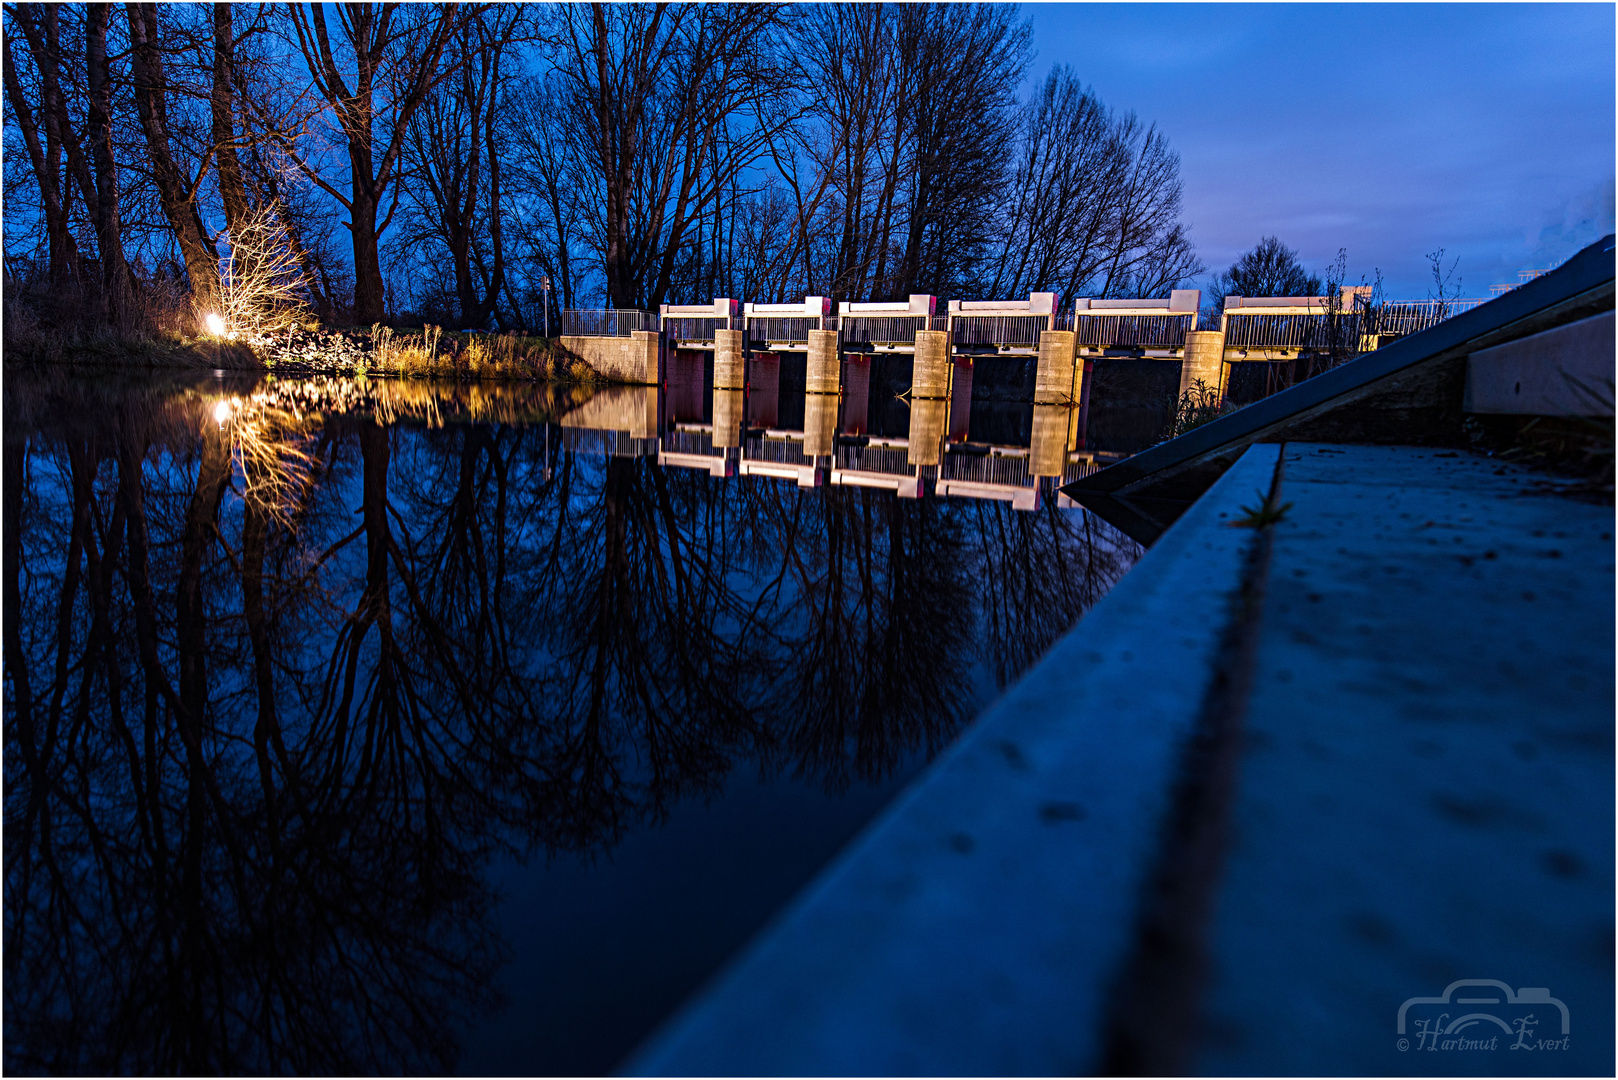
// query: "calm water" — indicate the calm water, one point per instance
point(385, 727)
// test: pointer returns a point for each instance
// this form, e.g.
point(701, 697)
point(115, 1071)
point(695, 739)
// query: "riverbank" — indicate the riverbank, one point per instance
point(426, 353)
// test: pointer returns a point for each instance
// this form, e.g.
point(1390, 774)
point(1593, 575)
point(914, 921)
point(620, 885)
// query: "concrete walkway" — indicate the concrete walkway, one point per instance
point(1425, 792)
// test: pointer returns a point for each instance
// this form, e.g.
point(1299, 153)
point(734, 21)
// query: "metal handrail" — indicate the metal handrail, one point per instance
point(1413, 316)
point(1159, 331)
point(890, 460)
point(681, 441)
point(998, 329)
point(683, 328)
point(884, 329)
point(1244, 331)
point(763, 329)
point(1006, 470)
point(606, 322)
point(777, 451)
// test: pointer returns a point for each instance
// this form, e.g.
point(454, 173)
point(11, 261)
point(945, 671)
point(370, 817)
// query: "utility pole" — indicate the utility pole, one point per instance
point(545, 286)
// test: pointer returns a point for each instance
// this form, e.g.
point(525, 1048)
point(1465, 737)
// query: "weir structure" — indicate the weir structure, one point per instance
point(1258, 346)
point(1287, 786)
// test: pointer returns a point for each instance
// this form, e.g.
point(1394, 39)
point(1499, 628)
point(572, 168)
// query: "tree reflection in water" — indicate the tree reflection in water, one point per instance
point(283, 679)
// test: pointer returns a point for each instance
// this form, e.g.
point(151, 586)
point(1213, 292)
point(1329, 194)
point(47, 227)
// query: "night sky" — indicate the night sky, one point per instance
point(1388, 129)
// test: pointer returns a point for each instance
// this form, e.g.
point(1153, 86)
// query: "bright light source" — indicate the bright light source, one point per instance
point(216, 325)
point(221, 411)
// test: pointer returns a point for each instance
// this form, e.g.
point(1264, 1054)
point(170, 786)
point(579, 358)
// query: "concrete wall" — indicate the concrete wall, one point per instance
point(634, 359)
point(618, 408)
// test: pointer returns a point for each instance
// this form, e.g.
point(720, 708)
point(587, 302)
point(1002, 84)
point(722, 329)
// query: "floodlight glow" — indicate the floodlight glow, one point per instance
point(221, 411)
point(216, 325)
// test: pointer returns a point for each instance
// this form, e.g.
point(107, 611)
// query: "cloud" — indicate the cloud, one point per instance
point(1575, 224)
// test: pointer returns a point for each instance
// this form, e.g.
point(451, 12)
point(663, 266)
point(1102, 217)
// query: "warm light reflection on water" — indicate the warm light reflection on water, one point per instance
point(290, 695)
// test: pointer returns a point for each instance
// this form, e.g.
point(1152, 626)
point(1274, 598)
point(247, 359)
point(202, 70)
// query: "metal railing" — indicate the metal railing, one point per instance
point(608, 322)
point(602, 443)
point(1243, 331)
point(1414, 316)
point(684, 328)
point(1247, 331)
point(998, 329)
point(677, 441)
point(1005, 470)
point(885, 329)
point(1078, 469)
point(765, 329)
point(1134, 331)
point(777, 451)
point(891, 460)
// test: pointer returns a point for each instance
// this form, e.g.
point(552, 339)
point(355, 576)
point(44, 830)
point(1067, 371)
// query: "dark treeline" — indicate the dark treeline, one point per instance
point(280, 685)
point(413, 161)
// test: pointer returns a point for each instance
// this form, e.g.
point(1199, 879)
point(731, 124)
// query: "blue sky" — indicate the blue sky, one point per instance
point(1388, 129)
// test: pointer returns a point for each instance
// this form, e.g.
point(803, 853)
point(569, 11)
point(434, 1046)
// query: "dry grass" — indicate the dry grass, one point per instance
point(433, 354)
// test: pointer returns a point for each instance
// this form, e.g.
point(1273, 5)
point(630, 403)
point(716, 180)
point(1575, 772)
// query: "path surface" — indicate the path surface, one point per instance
point(1426, 788)
point(1395, 756)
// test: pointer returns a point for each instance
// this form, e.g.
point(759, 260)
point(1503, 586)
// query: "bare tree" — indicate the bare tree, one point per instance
point(1269, 269)
point(454, 156)
point(397, 53)
point(40, 122)
point(670, 103)
point(177, 184)
point(1094, 202)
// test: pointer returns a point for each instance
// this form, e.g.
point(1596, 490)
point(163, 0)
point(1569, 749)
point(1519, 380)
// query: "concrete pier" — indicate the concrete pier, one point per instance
point(824, 373)
point(727, 418)
point(729, 360)
point(1204, 360)
point(1047, 455)
point(1054, 378)
point(819, 424)
point(927, 418)
point(930, 374)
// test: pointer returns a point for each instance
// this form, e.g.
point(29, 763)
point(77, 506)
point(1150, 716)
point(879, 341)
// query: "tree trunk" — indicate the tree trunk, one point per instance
point(175, 190)
point(118, 298)
point(222, 102)
point(46, 161)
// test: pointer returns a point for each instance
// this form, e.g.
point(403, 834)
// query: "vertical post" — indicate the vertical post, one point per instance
point(927, 417)
point(1053, 379)
point(729, 366)
point(1047, 455)
point(824, 374)
point(960, 400)
point(930, 373)
point(819, 424)
point(1205, 361)
point(727, 419)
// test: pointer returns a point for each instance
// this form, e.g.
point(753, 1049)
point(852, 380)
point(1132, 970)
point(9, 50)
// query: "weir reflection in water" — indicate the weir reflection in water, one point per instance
point(339, 711)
